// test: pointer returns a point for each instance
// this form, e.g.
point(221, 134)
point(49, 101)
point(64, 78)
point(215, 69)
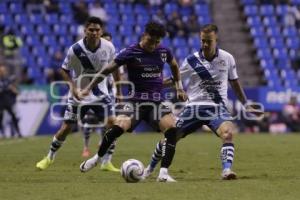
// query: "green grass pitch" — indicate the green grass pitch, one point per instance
point(268, 168)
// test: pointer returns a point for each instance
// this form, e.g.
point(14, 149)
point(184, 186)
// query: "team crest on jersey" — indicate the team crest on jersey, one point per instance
point(103, 54)
point(163, 57)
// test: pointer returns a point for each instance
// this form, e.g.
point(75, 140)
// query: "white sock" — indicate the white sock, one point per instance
point(106, 158)
point(163, 171)
point(96, 158)
point(55, 145)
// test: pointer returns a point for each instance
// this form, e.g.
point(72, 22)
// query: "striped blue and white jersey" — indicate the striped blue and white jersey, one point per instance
point(82, 61)
point(207, 81)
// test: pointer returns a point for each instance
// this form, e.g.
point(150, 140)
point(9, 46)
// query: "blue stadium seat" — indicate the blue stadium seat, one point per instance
point(179, 42)
point(139, 9)
point(293, 43)
point(267, 10)
point(277, 43)
point(60, 29)
point(43, 29)
point(290, 32)
point(201, 9)
point(49, 40)
point(280, 53)
point(65, 7)
point(142, 19)
point(21, 19)
point(170, 7)
point(283, 63)
point(270, 21)
point(273, 32)
point(251, 10)
point(125, 30)
point(125, 9)
point(51, 18)
point(16, 7)
point(295, 2)
point(261, 42)
point(6, 19)
point(254, 21)
point(182, 52)
point(27, 29)
point(36, 19)
point(267, 64)
point(264, 54)
point(66, 19)
point(32, 40)
point(257, 32)
point(3, 7)
point(281, 9)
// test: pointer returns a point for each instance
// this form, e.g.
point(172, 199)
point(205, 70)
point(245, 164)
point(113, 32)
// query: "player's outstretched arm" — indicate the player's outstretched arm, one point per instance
point(100, 76)
point(181, 95)
point(239, 92)
point(67, 77)
point(168, 82)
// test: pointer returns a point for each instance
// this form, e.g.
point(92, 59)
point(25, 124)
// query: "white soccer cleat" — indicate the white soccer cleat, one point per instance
point(147, 172)
point(88, 164)
point(165, 178)
point(228, 174)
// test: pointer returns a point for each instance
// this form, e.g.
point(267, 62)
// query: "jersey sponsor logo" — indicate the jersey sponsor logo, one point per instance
point(163, 57)
point(151, 75)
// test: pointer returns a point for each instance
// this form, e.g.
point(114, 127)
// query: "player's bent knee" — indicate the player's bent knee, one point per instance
point(123, 122)
point(167, 122)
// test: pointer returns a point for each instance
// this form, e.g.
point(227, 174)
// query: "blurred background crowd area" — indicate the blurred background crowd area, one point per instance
point(263, 36)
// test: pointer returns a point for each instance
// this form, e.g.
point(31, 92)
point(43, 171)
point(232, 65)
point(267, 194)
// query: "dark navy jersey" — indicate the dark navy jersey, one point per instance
point(145, 70)
point(4, 83)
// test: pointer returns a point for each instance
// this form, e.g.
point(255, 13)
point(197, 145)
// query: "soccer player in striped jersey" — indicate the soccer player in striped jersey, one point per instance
point(91, 119)
point(84, 58)
point(144, 62)
point(206, 74)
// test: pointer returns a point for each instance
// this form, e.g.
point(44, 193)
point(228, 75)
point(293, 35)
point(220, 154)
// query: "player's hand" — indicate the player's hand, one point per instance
point(75, 92)
point(181, 95)
point(83, 93)
point(250, 108)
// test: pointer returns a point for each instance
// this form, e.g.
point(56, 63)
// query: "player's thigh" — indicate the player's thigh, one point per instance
point(123, 121)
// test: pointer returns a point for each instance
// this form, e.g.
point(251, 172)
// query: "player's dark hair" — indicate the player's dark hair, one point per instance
point(106, 34)
point(155, 29)
point(93, 20)
point(208, 28)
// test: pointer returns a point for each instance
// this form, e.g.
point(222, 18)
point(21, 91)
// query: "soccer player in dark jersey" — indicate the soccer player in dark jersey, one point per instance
point(8, 92)
point(144, 61)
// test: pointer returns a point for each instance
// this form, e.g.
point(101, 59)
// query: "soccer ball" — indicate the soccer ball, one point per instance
point(132, 170)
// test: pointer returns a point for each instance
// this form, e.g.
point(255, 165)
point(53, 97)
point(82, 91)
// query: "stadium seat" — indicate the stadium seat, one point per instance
point(254, 21)
point(267, 10)
point(16, 7)
point(179, 42)
point(3, 7)
point(251, 10)
point(51, 18)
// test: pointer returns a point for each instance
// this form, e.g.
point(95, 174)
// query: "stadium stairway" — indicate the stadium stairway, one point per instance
point(227, 16)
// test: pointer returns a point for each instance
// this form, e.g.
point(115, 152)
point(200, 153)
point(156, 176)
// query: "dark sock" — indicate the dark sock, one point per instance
point(109, 137)
point(168, 149)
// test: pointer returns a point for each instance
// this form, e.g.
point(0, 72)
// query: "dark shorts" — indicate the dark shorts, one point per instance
point(101, 110)
point(193, 117)
point(150, 112)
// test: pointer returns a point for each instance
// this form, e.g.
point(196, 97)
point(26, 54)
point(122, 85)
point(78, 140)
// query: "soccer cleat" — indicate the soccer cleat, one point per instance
point(86, 153)
point(227, 174)
point(88, 165)
point(147, 172)
point(165, 178)
point(109, 167)
point(44, 163)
